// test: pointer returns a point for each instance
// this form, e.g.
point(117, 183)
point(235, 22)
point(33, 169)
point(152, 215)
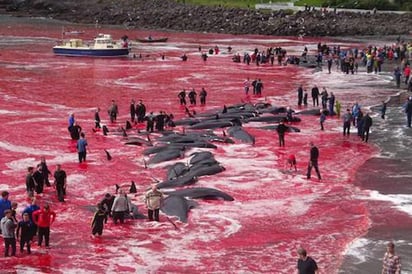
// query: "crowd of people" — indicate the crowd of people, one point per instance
point(36, 221)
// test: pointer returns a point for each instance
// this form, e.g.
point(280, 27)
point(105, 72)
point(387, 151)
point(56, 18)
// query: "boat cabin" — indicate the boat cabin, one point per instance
point(74, 43)
point(104, 41)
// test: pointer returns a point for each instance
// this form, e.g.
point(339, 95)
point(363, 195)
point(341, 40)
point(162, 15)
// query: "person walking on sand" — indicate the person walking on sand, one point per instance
point(306, 264)
point(313, 161)
point(391, 262)
point(44, 218)
point(153, 200)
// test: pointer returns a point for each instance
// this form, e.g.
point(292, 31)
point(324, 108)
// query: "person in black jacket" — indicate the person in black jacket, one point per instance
point(367, 123)
point(30, 184)
point(98, 221)
point(313, 161)
point(97, 119)
point(408, 111)
point(192, 97)
point(140, 111)
point(281, 129)
point(132, 110)
point(24, 232)
point(38, 177)
point(107, 203)
point(202, 96)
point(60, 182)
point(46, 171)
point(182, 97)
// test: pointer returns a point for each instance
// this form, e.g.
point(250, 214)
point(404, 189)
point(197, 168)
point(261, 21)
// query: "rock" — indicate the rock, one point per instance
point(172, 15)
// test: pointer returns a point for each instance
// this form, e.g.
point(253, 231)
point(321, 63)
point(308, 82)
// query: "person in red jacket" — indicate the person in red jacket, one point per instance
point(43, 218)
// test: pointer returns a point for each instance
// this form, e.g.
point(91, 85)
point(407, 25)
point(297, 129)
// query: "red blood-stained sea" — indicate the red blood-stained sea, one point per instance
point(275, 211)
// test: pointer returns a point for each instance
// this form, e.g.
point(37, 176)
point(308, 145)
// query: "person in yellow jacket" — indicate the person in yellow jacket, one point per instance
point(153, 200)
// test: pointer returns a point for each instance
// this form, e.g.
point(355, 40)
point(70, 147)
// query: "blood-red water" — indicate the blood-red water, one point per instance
point(275, 211)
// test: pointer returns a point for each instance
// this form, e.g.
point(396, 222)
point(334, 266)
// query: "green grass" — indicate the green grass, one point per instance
point(312, 3)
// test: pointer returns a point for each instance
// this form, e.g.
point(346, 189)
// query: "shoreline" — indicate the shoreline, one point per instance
point(167, 15)
point(302, 155)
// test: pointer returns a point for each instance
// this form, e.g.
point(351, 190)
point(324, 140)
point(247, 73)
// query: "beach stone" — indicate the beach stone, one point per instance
point(178, 16)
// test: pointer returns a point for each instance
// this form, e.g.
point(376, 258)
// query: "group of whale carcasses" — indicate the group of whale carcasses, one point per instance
point(199, 132)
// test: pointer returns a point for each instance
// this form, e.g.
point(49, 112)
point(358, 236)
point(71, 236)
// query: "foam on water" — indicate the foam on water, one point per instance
point(401, 202)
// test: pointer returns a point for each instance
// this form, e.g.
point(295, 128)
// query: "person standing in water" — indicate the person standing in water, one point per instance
point(98, 221)
point(153, 200)
point(391, 262)
point(313, 161)
point(97, 119)
point(82, 147)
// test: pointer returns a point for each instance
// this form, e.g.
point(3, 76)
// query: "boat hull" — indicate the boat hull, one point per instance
point(121, 52)
point(160, 40)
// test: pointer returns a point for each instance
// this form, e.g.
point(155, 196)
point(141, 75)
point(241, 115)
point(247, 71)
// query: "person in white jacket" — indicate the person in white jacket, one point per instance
point(121, 207)
point(153, 200)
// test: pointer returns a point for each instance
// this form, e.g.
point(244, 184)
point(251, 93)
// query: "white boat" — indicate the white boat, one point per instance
point(103, 46)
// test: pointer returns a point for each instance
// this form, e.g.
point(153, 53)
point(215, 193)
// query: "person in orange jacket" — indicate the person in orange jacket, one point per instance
point(44, 218)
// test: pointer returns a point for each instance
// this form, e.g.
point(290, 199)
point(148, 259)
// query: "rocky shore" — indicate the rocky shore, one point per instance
point(177, 16)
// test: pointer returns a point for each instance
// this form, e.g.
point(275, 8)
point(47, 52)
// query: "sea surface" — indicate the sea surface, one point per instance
point(344, 220)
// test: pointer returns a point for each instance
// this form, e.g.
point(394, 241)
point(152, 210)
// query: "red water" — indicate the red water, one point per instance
point(275, 211)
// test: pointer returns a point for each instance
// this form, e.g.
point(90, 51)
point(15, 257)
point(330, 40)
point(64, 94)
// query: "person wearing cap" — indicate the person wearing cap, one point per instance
point(44, 218)
point(153, 200)
point(306, 264)
point(8, 227)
